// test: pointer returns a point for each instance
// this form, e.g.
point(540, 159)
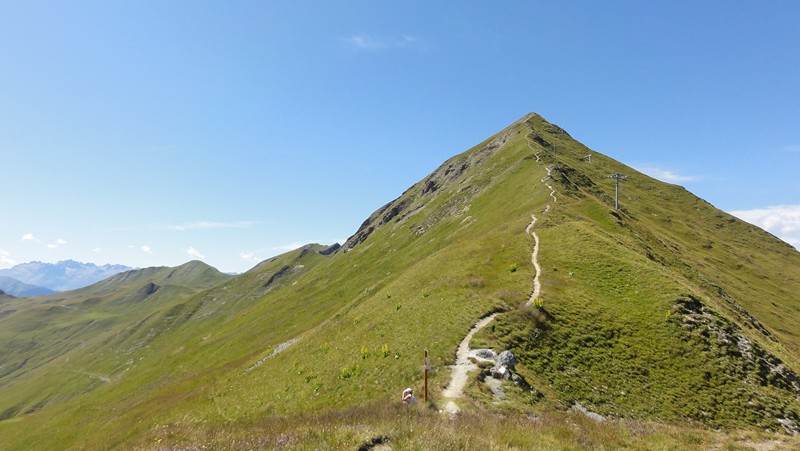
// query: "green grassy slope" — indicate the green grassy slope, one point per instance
point(668, 309)
point(59, 346)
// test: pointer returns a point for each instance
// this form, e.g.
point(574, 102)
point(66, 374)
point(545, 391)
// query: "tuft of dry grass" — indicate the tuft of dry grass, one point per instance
point(394, 426)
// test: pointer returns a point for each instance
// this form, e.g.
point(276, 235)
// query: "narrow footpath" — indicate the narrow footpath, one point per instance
point(463, 366)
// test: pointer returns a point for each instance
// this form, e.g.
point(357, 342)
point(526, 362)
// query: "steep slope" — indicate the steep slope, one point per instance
point(667, 308)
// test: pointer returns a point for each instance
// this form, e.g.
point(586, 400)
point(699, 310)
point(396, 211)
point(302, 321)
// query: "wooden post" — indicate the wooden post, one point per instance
point(426, 375)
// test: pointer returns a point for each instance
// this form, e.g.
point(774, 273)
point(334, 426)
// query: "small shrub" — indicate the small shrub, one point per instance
point(385, 350)
point(538, 303)
point(364, 352)
point(512, 267)
point(350, 371)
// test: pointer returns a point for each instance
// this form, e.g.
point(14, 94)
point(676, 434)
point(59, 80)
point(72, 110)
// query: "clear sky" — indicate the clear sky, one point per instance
point(155, 132)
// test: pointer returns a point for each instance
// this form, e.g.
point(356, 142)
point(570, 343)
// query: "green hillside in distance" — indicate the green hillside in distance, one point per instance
point(59, 346)
point(667, 316)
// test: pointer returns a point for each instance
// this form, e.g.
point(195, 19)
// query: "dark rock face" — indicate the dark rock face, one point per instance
point(278, 274)
point(149, 289)
point(331, 249)
point(143, 293)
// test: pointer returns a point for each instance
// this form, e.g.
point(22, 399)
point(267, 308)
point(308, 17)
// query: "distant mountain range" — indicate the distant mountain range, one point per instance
point(39, 278)
point(14, 287)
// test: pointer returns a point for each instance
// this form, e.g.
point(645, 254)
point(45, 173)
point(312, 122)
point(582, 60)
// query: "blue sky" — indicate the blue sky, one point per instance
point(151, 133)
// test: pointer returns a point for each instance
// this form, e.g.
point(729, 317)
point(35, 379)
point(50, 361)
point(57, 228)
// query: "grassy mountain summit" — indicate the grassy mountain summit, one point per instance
point(666, 309)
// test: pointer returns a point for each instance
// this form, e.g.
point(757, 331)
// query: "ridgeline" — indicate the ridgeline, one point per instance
point(666, 316)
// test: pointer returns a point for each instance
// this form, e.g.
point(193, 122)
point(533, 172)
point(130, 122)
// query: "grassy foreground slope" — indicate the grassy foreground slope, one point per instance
point(645, 312)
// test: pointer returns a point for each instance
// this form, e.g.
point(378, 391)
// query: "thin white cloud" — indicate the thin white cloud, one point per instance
point(146, 249)
point(249, 257)
point(30, 237)
point(59, 242)
point(211, 225)
point(363, 41)
point(781, 220)
point(665, 175)
point(5, 259)
point(194, 253)
point(792, 149)
point(97, 249)
point(287, 247)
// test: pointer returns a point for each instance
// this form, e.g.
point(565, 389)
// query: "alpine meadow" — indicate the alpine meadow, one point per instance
point(664, 323)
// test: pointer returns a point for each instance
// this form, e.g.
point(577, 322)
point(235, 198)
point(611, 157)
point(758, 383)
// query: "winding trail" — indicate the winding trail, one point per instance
point(537, 286)
point(278, 349)
point(463, 366)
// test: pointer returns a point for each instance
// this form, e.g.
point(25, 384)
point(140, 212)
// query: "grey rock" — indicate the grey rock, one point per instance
point(484, 353)
point(790, 426)
point(507, 359)
point(501, 372)
point(591, 415)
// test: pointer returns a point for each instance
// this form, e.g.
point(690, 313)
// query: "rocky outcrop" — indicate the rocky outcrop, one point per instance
point(503, 368)
point(507, 359)
point(745, 355)
point(144, 292)
point(285, 270)
point(789, 426)
point(738, 354)
point(330, 250)
point(591, 415)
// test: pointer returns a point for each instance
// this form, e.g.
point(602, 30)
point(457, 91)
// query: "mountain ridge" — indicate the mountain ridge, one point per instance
point(61, 276)
point(646, 313)
point(15, 287)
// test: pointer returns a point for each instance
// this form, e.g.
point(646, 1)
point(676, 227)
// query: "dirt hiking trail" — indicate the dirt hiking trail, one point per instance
point(463, 365)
